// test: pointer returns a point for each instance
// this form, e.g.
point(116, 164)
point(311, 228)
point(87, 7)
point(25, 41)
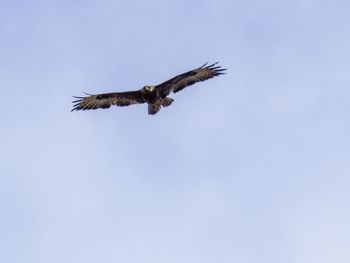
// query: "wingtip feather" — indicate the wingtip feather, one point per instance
point(204, 64)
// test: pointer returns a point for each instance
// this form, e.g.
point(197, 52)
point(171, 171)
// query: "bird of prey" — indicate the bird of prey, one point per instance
point(156, 96)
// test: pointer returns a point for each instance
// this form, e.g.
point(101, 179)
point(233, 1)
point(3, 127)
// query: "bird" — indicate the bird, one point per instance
point(156, 96)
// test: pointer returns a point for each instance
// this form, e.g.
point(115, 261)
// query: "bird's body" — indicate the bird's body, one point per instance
point(155, 96)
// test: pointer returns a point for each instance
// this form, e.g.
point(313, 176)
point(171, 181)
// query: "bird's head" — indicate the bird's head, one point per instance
point(148, 89)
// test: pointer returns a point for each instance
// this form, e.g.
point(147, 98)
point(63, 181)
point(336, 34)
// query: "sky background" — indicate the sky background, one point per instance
point(252, 166)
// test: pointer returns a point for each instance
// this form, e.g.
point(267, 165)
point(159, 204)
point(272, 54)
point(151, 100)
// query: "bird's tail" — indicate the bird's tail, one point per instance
point(153, 108)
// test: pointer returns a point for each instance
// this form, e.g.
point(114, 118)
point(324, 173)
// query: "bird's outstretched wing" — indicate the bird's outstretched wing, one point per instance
point(106, 100)
point(189, 78)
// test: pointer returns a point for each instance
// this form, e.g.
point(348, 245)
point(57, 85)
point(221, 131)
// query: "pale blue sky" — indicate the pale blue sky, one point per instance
point(252, 166)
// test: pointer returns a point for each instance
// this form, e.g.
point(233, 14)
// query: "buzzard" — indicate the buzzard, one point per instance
point(156, 96)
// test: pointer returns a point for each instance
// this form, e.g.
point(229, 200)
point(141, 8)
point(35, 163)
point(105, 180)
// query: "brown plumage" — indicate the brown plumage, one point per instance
point(154, 96)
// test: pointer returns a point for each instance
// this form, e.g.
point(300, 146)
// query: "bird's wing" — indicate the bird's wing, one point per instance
point(106, 100)
point(189, 78)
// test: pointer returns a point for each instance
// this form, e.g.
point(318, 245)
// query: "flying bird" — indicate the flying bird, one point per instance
point(156, 96)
